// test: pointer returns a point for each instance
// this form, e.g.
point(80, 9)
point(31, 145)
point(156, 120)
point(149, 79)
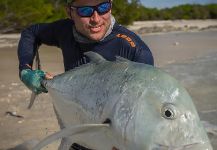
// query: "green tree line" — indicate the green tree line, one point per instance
point(18, 14)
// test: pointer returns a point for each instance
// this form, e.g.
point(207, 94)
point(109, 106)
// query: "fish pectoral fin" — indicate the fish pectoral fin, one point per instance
point(69, 131)
point(95, 57)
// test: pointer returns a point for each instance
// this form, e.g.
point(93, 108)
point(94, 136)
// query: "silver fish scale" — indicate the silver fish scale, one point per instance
point(92, 82)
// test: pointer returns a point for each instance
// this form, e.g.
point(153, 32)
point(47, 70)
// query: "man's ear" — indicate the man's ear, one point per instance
point(69, 11)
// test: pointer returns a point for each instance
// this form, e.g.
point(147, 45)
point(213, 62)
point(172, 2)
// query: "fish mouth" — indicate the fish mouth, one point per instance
point(192, 146)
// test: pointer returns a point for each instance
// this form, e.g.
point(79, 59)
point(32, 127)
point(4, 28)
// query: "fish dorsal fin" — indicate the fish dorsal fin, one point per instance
point(69, 131)
point(95, 57)
point(122, 59)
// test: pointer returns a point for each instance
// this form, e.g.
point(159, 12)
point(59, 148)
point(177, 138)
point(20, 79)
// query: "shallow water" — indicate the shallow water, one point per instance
point(179, 47)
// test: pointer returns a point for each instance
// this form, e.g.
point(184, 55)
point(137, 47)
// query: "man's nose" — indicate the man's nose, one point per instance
point(95, 17)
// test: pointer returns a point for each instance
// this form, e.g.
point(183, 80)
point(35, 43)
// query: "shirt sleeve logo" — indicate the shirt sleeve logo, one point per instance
point(128, 39)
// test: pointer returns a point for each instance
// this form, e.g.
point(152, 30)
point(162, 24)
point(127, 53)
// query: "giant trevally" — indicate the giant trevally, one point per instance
point(124, 105)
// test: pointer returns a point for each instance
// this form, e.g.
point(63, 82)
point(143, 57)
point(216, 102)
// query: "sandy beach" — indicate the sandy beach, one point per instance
point(188, 55)
point(165, 26)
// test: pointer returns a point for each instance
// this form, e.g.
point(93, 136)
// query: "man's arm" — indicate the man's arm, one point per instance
point(144, 55)
point(131, 42)
point(31, 38)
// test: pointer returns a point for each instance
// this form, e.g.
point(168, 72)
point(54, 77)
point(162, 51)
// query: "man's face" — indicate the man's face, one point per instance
point(94, 27)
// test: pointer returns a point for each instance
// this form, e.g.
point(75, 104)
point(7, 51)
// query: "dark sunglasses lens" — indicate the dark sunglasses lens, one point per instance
point(104, 8)
point(85, 11)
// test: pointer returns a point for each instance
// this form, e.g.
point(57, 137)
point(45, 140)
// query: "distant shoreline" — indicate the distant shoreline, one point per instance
point(165, 26)
point(141, 28)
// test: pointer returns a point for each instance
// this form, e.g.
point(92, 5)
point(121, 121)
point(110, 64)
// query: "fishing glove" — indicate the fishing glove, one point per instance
point(32, 79)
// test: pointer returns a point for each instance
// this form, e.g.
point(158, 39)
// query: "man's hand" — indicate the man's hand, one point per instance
point(33, 78)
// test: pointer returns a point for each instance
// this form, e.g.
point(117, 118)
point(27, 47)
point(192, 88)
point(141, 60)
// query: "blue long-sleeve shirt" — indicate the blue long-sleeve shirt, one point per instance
point(120, 42)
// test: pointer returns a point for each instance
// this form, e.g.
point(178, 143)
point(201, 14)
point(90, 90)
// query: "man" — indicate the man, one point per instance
point(90, 27)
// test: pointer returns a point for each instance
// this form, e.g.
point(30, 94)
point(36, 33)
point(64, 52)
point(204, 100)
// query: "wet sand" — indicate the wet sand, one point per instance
point(191, 57)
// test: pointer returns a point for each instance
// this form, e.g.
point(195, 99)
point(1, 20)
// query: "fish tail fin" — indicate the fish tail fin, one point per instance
point(32, 100)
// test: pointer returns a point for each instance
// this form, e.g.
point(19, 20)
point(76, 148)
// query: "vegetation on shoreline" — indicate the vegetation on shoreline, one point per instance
point(17, 14)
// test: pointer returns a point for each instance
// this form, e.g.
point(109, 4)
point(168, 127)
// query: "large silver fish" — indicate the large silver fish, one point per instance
point(142, 108)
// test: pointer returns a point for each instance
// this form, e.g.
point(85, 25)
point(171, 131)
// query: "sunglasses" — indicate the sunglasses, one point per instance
point(87, 11)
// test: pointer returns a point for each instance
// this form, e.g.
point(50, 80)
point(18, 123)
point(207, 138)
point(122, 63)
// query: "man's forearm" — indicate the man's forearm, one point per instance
point(27, 47)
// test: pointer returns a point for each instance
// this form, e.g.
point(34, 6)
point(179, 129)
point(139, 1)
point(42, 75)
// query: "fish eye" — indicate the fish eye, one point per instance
point(168, 111)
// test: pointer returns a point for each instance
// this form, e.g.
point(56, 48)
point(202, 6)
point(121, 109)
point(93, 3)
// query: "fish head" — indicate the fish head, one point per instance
point(165, 116)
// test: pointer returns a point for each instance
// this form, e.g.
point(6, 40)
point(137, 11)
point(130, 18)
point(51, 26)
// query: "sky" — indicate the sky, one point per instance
point(171, 3)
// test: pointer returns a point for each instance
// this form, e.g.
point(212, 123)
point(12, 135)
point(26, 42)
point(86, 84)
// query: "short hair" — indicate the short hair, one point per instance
point(69, 1)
